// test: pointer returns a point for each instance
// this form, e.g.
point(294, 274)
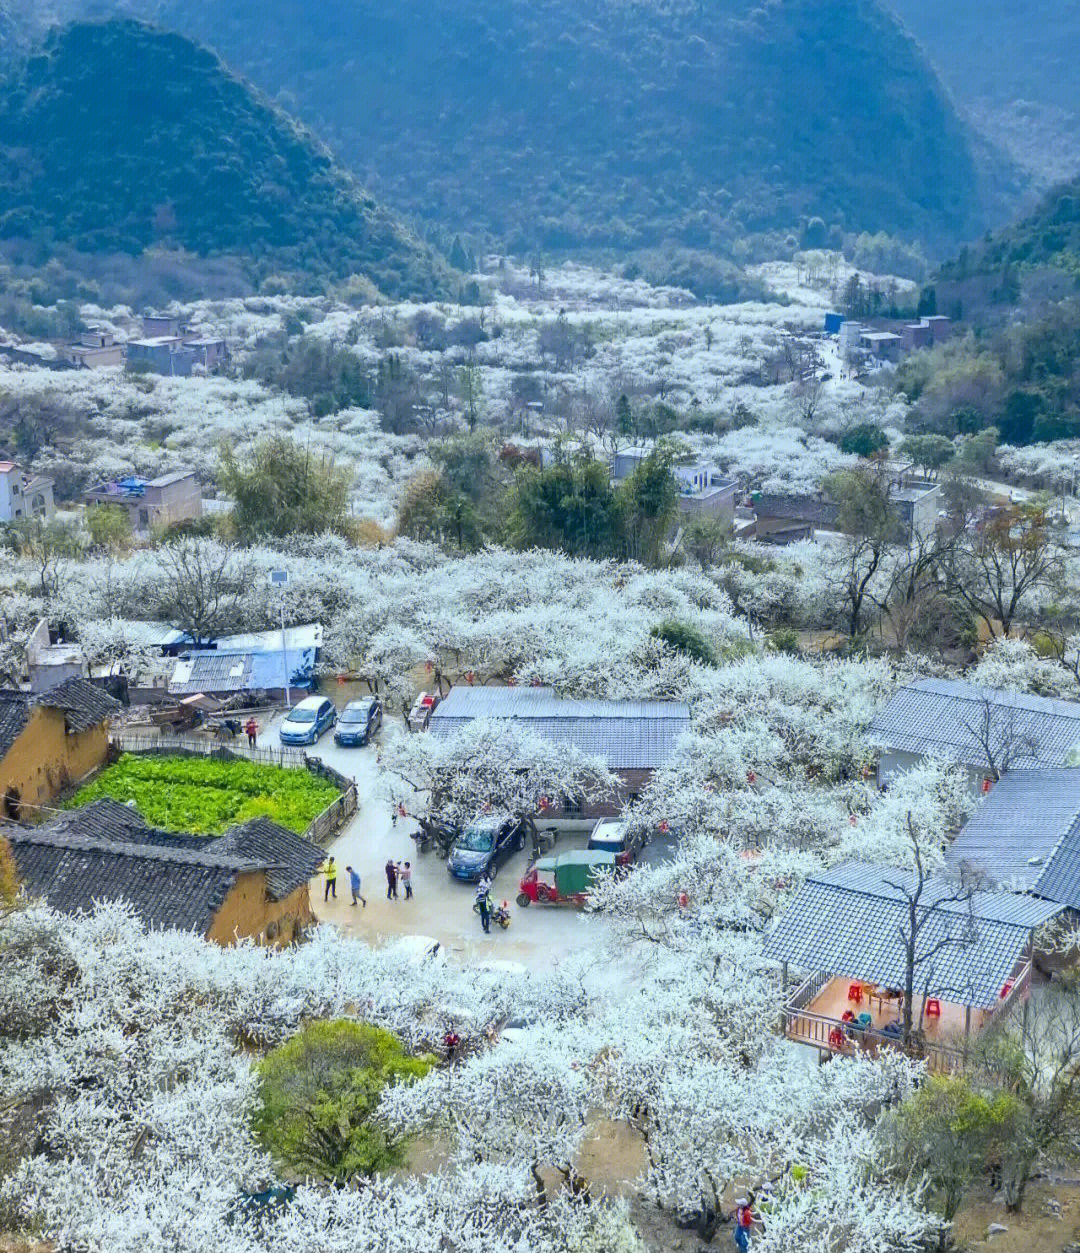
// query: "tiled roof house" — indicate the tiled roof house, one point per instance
point(50, 740)
point(251, 882)
point(633, 738)
point(985, 729)
point(1025, 835)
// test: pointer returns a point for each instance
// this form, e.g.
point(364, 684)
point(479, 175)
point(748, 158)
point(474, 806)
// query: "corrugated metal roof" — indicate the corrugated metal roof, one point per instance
point(848, 920)
point(628, 735)
point(219, 670)
point(950, 719)
point(309, 635)
point(1025, 835)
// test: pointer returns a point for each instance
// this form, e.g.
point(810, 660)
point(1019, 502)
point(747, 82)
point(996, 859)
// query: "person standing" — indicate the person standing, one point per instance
point(354, 884)
point(252, 729)
point(483, 903)
point(391, 880)
point(405, 875)
point(330, 870)
point(744, 1222)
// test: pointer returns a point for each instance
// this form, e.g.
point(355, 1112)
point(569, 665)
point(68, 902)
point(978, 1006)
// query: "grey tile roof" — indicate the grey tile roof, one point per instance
point(1025, 835)
point(167, 887)
point(14, 715)
point(628, 735)
point(950, 719)
point(84, 705)
point(289, 858)
point(800, 508)
point(847, 921)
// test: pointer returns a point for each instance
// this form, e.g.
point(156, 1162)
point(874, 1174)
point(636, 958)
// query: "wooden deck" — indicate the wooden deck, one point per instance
point(812, 1017)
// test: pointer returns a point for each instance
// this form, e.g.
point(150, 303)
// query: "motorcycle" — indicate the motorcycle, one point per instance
point(501, 914)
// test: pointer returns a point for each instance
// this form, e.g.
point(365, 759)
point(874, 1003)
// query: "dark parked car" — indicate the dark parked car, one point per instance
point(483, 846)
point(357, 723)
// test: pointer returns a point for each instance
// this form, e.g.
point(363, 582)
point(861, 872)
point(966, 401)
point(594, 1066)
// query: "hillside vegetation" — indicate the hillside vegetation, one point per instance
point(548, 124)
point(1013, 65)
point(118, 139)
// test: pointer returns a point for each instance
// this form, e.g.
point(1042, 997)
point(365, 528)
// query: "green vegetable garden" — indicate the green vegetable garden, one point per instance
point(205, 796)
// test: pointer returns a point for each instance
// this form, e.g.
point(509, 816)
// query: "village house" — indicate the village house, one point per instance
point(24, 495)
point(702, 488)
point(250, 883)
point(94, 349)
point(783, 519)
point(151, 503)
point(49, 664)
point(1025, 836)
point(633, 738)
point(986, 730)
point(971, 959)
point(168, 347)
point(258, 663)
point(49, 741)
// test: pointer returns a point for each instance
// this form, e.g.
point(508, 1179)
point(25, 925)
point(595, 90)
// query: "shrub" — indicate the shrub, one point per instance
point(204, 796)
point(318, 1098)
point(683, 638)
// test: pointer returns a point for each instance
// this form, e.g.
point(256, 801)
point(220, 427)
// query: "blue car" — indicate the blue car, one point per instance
point(305, 722)
point(482, 848)
point(358, 722)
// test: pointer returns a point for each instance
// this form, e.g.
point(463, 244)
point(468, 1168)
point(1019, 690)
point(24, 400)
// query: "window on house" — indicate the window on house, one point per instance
point(573, 807)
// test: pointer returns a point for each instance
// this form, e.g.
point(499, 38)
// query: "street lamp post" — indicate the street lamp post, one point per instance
point(280, 579)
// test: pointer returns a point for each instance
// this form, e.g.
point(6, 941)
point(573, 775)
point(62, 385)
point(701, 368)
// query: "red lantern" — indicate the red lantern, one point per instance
point(664, 826)
point(545, 803)
point(987, 785)
point(853, 821)
point(538, 683)
point(511, 682)
point(427, 666)
point(470, 678)
point(751, 777)
point(683, 899)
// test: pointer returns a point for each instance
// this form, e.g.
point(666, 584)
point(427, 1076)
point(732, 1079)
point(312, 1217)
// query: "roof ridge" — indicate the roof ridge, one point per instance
point(137, 849)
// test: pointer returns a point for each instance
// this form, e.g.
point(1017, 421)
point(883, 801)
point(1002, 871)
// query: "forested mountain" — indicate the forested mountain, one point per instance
point(1019, 291)
point(557, 124)
point(1014, 66)
point(1043, 246)
point(117, 138)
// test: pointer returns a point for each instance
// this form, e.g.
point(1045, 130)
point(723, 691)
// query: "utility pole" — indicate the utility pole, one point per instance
point(280, 579)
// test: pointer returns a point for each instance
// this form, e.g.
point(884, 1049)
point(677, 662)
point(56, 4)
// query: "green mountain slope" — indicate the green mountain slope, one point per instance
point(1014, 66)
point(118, 138)
point(614, 123)
point(1045, 242)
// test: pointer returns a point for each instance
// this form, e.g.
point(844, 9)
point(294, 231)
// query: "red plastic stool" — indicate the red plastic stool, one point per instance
point(854, 993)
point(933, 1007)
point(836, 1038)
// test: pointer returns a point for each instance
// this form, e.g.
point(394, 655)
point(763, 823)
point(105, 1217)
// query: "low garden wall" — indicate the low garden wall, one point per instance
point(322, 828)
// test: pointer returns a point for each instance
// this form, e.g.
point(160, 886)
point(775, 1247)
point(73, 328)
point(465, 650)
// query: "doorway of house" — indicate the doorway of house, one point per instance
point(12, 804)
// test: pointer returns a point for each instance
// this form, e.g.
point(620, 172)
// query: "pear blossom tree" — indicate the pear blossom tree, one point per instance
point(490, 766)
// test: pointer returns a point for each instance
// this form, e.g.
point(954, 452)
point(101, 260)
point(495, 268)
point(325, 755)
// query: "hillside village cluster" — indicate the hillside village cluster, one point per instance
point(782, 814)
